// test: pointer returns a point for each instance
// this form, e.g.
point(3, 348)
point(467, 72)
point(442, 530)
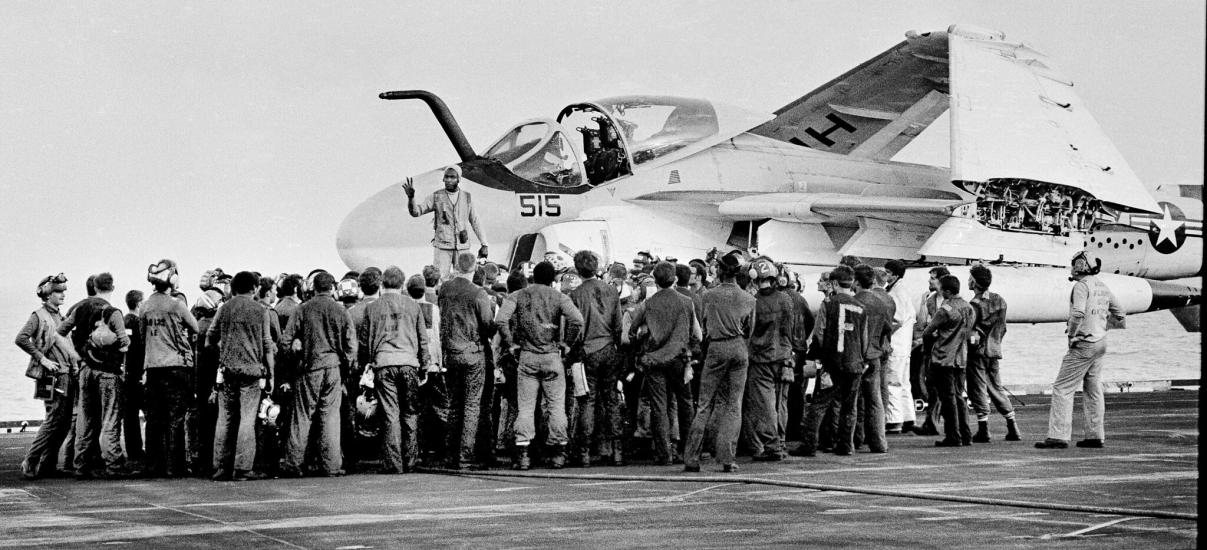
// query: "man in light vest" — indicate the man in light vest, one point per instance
point(453, 213)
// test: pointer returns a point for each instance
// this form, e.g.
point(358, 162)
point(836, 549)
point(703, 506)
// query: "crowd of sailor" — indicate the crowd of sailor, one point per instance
point(566, 362)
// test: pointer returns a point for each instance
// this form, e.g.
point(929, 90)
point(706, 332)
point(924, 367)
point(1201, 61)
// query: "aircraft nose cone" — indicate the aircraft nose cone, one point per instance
point(380, 230)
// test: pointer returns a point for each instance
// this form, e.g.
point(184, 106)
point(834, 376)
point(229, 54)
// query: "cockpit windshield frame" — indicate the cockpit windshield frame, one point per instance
point(521, 159)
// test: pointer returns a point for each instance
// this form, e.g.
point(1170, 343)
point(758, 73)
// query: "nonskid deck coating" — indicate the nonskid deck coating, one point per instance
point(1150, 463)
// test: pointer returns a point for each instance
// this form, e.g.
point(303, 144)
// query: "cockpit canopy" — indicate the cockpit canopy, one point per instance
point(654, 126)
point(614, 135)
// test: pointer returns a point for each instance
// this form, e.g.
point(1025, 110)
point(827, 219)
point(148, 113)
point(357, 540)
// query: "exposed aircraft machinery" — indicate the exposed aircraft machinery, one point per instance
point(1033, 180)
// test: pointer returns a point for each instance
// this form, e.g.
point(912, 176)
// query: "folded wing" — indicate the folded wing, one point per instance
point(1015, 115)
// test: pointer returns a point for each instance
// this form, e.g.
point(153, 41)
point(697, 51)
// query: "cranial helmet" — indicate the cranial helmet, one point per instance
point(560, 261)
point(164, 271)
point(347, 289)
point(1082, 264)
point(210, 278)
point(763, 268)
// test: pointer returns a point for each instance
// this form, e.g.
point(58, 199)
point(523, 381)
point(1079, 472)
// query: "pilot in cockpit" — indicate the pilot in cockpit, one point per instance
point(605, 154)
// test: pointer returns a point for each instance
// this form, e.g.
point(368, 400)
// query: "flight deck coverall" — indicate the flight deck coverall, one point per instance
point(328, 338)
point(766, 395)
point(899, 407)
point(879, 309)
point(1090, 305)
point(170, 368)
point(728, 320)
point(394, 334)
point(841, 345)
point(950, 327)
point(665, 354)
point(243, 335)
point(984, 380)
point(38, 339)
point(597, 414)
point(466, 325)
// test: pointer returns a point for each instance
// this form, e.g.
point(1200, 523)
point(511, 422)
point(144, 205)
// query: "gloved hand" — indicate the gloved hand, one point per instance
point(483, 252)
point(786, 374)
point(408, 187)
point(688, 374)
point(263, 383)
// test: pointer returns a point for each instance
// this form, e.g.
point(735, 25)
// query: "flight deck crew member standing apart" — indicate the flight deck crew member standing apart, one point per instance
point(242, 334)
point(396, 335)
point(540, 313)
point(770, 360)
point(950, 327)
point(984, 352)
point(840, 344)
point(668, 319)
point(321, 333)
point(466, 324)
point(728, 321)
point(1091, 306)
point(57, 357)
point(453, 215)
point(599, 415)
point(169, 366)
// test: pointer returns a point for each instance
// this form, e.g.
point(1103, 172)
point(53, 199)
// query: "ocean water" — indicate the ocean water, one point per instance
point(1153, 347)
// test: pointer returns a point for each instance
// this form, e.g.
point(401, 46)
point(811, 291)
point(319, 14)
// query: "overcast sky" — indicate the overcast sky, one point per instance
point(239, 135)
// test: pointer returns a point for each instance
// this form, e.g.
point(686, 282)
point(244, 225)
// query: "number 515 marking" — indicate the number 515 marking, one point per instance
point(540, 205)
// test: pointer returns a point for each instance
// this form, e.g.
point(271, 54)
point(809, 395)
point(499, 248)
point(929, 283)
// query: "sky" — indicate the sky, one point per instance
point(238, 135)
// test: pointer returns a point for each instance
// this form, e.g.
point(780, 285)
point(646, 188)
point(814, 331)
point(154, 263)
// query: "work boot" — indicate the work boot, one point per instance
point(926, 430)
point(1090, 444)
point(582, 459)
point(892, 428)
point(521, 458)
point(982, 432)
point(907, 428)
point(1012, 431)
point(948, 443)
point(1050, 443)
point(559, 458)
point(802, 451)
